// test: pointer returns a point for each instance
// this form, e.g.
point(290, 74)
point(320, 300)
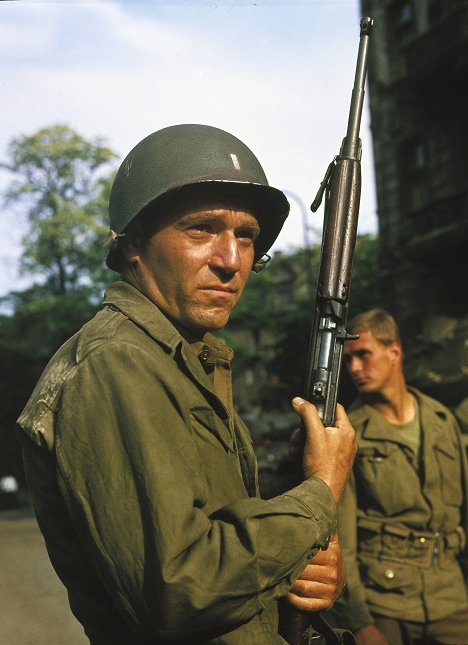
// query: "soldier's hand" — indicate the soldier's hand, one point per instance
point(328, 452)
point(370, 635)
point(321, 582)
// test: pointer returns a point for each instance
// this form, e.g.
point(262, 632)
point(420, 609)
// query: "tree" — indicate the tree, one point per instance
point(61, 187)
point(365, 293)
point(60, 183)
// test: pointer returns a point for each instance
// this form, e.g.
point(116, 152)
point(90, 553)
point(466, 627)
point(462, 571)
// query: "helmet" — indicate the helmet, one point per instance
point(189, 158)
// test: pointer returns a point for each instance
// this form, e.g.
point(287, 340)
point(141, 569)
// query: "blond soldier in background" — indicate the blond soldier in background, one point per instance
point(403, 518)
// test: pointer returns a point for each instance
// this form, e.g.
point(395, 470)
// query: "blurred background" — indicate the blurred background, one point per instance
point(83, 82)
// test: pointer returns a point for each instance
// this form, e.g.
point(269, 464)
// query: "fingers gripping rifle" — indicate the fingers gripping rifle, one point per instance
point(341, 187)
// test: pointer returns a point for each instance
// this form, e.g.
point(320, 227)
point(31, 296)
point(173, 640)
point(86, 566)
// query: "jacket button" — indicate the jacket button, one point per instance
point(422, 540)
point(204, 355)
point(389, 574)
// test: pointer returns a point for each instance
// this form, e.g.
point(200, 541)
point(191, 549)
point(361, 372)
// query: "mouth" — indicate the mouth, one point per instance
point(220, 289)
point(359, 382)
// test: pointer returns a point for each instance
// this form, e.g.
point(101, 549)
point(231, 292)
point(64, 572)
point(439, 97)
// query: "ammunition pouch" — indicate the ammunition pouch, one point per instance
point(385, 541)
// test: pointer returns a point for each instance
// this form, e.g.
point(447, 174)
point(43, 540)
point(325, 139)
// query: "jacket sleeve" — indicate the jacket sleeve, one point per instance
point(351, 610)
point(132, 477)
point(463, 556)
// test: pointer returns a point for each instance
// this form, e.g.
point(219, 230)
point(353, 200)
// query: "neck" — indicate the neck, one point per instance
point(190, 335)
point(394, 402)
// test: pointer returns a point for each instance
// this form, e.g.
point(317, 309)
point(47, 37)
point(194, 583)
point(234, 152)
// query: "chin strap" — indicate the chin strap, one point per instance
point(110, 241)
point(260, 264)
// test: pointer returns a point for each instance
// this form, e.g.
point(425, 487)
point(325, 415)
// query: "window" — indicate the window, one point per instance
point(401, 30)
point(435, 11)
point(406, 13)
point(413, 175)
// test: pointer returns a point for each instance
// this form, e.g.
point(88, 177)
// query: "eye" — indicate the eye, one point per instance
point(199, 227)
point(249, 234)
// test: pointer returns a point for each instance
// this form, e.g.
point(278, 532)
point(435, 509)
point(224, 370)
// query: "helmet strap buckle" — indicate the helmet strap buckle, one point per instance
point(261, 263)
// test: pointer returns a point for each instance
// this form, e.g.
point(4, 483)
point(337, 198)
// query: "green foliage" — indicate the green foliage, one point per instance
point(278, 295)
point(42, 321)
point(365, 293)
point(60, 184)
point(278, 308)
point(54, 162)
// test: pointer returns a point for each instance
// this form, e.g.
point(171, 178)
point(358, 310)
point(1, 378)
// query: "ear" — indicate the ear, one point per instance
point(130, 248)
point(396, 351)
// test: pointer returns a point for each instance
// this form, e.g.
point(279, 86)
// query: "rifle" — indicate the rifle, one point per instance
point(342, 189)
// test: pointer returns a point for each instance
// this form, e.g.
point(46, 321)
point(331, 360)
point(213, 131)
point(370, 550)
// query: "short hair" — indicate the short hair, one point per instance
point(379, 323)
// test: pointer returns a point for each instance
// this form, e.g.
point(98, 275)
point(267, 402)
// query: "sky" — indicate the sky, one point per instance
point(278, 74)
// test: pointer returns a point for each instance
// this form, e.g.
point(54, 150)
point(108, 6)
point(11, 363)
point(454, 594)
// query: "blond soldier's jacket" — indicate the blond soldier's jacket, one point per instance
point(402, 521)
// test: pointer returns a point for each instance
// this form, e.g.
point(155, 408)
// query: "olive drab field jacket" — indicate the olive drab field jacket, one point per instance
point(145, 490)
point(403, 521)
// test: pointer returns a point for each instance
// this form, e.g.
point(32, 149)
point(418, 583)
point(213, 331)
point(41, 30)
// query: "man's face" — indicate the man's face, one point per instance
point(196, 266)
point(371, 365)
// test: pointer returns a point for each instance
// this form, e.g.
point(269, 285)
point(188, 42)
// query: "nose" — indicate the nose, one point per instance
point(225, 255)
point(353, 364)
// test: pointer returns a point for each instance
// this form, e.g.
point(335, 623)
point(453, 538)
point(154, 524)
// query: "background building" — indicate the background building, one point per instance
point(418, 82)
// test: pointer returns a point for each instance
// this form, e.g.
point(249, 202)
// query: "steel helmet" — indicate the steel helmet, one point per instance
point(192, 157)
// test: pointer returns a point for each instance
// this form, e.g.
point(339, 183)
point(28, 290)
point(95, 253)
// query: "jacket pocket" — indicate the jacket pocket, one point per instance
point(448, 461)
point(204, 419)
point(393, 588)
point(386, 483)
point(389, 576)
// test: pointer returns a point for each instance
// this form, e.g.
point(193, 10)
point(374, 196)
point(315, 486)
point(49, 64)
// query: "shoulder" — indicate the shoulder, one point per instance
point(37, 418)
point(430, 405)
point(359, 413)
point(109, 328)
point(110, 349)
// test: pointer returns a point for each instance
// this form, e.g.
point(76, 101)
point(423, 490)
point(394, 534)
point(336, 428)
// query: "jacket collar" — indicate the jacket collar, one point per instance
point(139, 309)
point(375, 426)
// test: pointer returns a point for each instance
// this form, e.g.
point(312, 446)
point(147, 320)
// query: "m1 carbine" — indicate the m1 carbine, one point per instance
point(342, 189)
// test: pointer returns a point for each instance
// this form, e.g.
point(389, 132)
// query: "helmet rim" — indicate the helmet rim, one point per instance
point(183, 157)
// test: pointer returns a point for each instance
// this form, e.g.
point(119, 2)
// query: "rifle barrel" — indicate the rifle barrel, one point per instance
point(351, 146)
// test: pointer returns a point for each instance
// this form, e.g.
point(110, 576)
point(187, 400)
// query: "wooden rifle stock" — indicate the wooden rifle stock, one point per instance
point(342, 189)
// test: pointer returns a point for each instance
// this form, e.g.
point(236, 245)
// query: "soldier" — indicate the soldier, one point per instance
point(403, 518)
point(142, 474)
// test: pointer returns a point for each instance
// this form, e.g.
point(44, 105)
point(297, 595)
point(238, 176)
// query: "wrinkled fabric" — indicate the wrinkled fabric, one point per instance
point(145, 489)
point(393, 507)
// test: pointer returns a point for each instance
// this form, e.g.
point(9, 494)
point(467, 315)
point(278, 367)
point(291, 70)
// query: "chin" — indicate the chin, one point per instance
point(365, 389)
point(215, 325)
point(216, 321)
point(205, 325)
